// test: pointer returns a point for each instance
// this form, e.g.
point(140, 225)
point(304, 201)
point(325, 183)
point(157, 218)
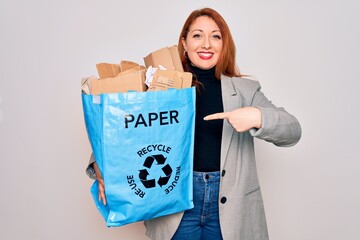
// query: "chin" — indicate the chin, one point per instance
point(204, 66)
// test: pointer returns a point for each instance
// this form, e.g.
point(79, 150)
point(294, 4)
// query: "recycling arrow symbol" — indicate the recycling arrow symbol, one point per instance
point(148, 163)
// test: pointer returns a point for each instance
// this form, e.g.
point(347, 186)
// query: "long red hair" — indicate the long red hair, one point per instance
point(226, 64)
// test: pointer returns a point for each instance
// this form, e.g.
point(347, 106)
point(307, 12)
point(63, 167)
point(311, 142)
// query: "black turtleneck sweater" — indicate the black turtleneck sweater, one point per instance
point(207, 133)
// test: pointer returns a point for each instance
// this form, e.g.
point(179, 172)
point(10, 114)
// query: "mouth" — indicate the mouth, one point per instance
point(205, 55)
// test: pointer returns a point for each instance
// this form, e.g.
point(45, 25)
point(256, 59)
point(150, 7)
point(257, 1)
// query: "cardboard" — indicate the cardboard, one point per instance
point(176, 58)
point(132, 70)
point(86, 84)
point(130, 76)
point(126, 65)
point(168, 57)
point(108, 70)
point(165, 79)
point(121, 83)
point(162, 83)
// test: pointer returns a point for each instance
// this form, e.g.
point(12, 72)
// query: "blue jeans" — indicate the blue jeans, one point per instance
point(202, 222)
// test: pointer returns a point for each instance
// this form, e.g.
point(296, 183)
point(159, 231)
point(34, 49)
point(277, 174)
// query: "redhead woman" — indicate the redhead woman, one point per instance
point(230, 112)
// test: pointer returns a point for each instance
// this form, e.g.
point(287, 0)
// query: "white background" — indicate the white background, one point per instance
point(304, 53)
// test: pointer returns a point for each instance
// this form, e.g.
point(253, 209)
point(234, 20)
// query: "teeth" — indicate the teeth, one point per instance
point(205, 54)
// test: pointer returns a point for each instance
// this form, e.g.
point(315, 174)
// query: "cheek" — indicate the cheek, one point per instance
point(192, 56)
point(219, 47)
point(192, 46)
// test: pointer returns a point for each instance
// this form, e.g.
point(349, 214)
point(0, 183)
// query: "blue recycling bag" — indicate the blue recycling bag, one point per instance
point(143, 144)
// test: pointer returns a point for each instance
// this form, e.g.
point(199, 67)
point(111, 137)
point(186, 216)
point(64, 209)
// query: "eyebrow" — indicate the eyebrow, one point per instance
point(217, 30)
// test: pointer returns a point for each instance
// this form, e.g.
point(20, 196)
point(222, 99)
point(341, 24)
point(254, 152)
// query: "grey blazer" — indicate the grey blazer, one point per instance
point(241, 208)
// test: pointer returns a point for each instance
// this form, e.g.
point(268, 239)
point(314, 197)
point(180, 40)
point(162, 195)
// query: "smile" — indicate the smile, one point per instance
point(205, 55)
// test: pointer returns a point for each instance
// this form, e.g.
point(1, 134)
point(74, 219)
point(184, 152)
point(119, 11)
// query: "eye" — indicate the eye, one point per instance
point(196, 35)
point(217, 36)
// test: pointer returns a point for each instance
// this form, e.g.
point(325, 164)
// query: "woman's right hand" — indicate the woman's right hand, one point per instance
point(101, 183)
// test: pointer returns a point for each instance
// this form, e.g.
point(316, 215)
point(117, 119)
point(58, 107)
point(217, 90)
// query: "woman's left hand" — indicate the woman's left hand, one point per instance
point(241, 119)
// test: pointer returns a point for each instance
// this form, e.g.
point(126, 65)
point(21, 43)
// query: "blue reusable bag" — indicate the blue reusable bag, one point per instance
point(143, 143)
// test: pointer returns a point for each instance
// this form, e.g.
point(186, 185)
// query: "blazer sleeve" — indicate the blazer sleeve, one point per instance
point(90, 169)
point(278, 126)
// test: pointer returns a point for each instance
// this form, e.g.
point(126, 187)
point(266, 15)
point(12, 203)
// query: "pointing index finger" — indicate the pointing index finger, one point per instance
point(216, 116)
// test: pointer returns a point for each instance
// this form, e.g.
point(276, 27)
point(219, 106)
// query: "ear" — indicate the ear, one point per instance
point(183, 41)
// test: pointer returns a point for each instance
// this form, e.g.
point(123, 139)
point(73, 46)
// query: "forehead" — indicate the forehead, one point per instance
point(204, 23)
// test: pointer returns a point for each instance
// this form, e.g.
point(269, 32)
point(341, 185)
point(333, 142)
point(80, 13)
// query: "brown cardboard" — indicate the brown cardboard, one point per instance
point(162, 83)
point(126, 65)
point(121, 83)
point(132, 70)
point(187, 78)
point(176, 58)
point(168, 57)
point(107, 70)
point(110, 70)
point(165, 79)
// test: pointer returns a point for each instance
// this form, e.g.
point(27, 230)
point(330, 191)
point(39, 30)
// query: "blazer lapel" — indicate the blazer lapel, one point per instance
point(231, 101)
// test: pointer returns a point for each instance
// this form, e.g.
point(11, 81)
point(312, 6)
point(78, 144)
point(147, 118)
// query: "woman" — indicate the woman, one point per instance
point(227, 197)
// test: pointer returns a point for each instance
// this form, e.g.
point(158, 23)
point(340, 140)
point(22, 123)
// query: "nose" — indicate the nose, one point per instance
point(206, 43)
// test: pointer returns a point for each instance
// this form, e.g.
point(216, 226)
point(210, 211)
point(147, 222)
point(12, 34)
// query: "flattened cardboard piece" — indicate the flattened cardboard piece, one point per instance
point(164, 79)
point(86, 84)
point(167, 57)
point(159, 57)
point(107, 70)
point(187, 79)
point(121, 83)
point(161, 83)
point(132, 70)
point(176, 58)
point(126, 65)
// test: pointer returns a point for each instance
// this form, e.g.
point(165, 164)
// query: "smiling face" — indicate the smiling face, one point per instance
point(203, 43)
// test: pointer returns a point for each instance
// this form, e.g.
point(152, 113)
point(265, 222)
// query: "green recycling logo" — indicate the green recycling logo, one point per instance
point(150, 181)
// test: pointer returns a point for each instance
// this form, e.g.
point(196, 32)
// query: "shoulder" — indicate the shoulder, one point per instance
point(244, 86)
point(245, 82)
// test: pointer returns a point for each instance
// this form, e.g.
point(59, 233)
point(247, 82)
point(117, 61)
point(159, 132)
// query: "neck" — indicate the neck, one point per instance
point(203, 73)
